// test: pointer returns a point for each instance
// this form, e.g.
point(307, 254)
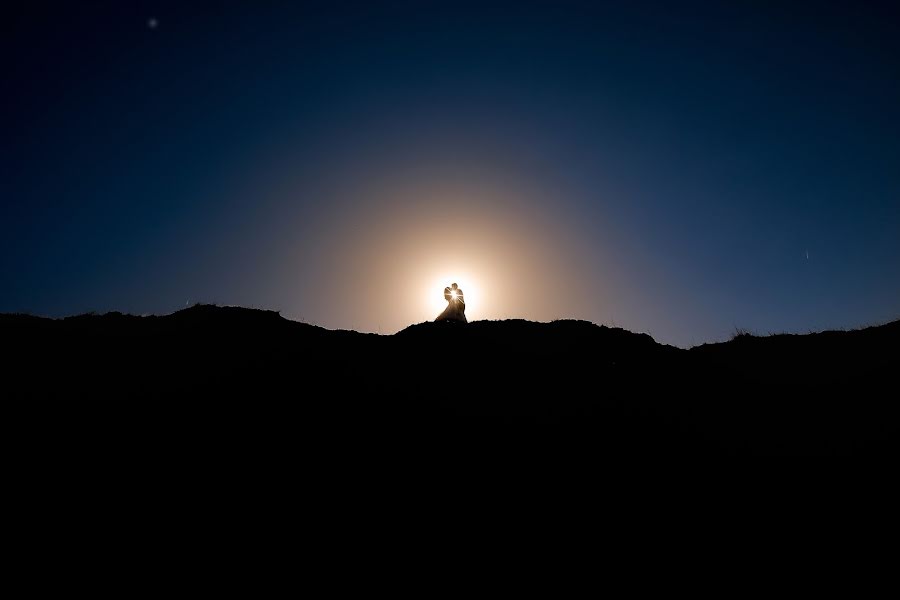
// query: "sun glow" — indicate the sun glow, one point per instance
point(498, 246)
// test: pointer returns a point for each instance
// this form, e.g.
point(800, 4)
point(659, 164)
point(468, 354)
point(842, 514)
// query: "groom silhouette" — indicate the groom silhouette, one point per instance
point(456, 305)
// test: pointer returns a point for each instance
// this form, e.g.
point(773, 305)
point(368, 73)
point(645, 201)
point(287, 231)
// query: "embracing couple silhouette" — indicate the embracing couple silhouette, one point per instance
point(456, 305)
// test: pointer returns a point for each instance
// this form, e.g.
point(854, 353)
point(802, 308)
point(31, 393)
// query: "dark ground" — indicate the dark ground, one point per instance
point(213, 381)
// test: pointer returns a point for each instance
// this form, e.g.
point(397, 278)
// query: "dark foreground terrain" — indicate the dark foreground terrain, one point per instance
point(215, 380)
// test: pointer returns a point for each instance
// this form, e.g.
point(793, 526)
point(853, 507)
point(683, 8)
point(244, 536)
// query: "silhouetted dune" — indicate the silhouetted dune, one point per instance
point(222, 376)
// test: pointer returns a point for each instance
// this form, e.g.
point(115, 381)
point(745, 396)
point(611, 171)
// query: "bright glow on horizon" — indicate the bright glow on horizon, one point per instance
point(402, 239)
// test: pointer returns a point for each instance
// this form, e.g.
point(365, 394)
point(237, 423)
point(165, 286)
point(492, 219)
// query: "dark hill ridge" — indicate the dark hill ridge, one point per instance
point(265, 378)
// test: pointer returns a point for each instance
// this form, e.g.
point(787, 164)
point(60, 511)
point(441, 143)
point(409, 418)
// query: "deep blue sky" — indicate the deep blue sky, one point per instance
point(676, 168)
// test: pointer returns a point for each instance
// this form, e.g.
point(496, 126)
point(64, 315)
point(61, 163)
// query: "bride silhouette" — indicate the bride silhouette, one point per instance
point(456, 305)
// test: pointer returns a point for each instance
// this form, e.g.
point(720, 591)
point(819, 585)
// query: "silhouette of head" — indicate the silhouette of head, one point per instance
point(454, 286)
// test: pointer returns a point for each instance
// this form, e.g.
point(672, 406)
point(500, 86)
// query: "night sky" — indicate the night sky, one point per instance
point(676, 168)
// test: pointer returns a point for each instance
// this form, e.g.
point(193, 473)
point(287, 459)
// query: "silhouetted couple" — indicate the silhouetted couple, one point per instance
point(456, 305)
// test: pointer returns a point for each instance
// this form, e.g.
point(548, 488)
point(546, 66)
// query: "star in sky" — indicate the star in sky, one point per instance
point(152, 23)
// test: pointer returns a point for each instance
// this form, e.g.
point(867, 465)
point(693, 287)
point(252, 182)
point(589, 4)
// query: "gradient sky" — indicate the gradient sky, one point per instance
point(676, 168)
